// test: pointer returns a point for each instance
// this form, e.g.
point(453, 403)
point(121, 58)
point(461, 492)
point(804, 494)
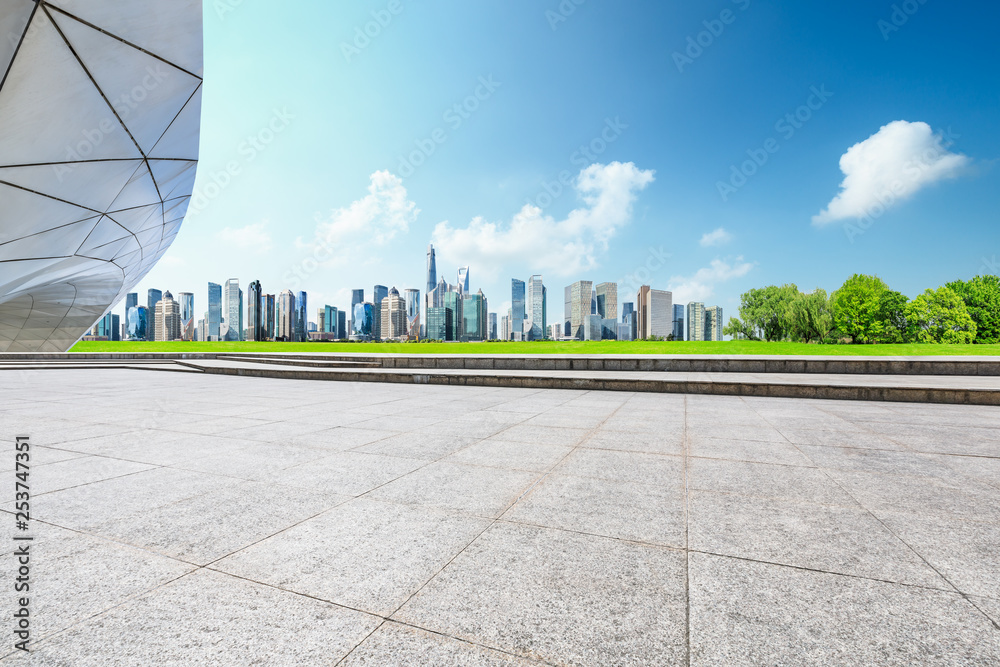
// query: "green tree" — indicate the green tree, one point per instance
point(865, 309)
point(809, 317)
point(763, 313)
point(982, 300)
point(939, 316)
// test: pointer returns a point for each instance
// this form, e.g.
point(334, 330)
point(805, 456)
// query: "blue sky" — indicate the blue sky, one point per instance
point(329, 199)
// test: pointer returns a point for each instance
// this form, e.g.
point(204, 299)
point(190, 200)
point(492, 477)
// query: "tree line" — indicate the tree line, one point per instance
point(866, 310)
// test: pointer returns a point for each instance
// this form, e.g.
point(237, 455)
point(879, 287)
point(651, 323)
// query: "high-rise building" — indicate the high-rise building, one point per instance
point(199, 331)
point(505, 327)
point(493, 326)
point(567, 310)
point(393, 316)
point(361, 321)
point(135, 323)
point(187, 315)
point(285, 316)
point(592, 327)
point(213, 317)
point(231, 327)
point(357, 296)
point(152, 297)
point(437, 323)
point(327, 319)
point(535, 324)
point(629, 327)
point(463, 280)
point(301, 318)
point(412, 298)
point(268, 312)
point(556, 331)
point(341, 324)
point(607, 300)
point(131, 301)
point(678, 321)
point(581, 301)
point(696, 321)
point(379, 293)
point(473, 317)
point(453, 304)
point(255, 316)
point(517, 309)
point(655, 311)
point(713, 323)
point(168, 318)
point(431, 269)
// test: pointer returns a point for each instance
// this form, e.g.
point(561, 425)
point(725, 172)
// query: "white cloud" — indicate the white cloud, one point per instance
point(701, 286)
point(561, 247)
point(373, 220)
point(888, 167)
point(717, 237)
point(252, 238)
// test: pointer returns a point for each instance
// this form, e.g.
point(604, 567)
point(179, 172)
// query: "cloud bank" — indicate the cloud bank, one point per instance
point(560, 247)
point(701, 285)
point(888, 167)
point(717, 237)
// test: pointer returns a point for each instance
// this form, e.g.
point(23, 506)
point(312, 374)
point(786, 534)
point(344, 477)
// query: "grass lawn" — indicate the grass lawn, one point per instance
point(552, 347)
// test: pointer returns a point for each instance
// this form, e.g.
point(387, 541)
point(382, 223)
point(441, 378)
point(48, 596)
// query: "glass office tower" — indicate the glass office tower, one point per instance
point(153, 297)
point(517, 309)
point(187, 315)
point(213, 320)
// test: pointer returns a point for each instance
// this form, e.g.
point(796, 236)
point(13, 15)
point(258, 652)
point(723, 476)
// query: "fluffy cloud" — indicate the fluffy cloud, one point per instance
point(888, 167)
point(253, 238)
point(701, 286)
point(373, 220)
point(561, 247)
point(717, 237)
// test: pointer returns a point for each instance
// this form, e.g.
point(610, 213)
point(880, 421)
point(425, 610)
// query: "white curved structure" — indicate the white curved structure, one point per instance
point(100, 110)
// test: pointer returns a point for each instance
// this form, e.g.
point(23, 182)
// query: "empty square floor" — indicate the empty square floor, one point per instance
point(193, 520)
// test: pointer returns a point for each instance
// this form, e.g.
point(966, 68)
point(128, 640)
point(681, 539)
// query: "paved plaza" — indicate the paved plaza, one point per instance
point(191, 519)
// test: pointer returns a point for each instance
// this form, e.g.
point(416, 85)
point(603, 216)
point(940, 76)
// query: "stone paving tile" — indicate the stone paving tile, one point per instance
point(966, 553)
point(560, 597)
point(208, 618)
point(85, 506)
point(989, 607)
point(879, 461)
point(397, 644)
point(697, 433)
point(498, 453)
point(623, 510)
point(363, 554)
point(209, 526)
point(251, 460)
point(476, 490)
point(346, 473)
point(545, 435)
point(39, 456)
point(781, 453)
point(636, 440)
point(851, 439)
point(748, 613)
point(766, 480)
point(632, 467)
point(845, 540)
point(70, 473)
point(424, 446)
point(76, 575)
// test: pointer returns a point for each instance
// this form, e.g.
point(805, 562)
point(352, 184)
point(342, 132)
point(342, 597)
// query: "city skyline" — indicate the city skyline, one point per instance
point(653, 145)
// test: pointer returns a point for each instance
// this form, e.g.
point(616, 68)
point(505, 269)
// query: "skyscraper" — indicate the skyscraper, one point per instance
point(607, 300)
point(656, 313)
point(255, 316)
point(493, 326)
point(379, 293)
point(301, 319)
point(437, 323)
point(517, 309)
point(152, 297)
point(285, 316)
point(131, 301)
point(581, 295)
point(713, 323)
point(678, 321)
point(629, 328)
point(412, 298)
point(431, 269)
point(463, 280)
point(135, 323)
point(361, 321)
point(267, 311)
point(213, 316)
point(473, 317)
point(231, 327)
point(696, 321)
point(393, 316)
point(168, 318)
point(453, 308)
point(535, 328)
point(187, 315)
point(567, 309)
